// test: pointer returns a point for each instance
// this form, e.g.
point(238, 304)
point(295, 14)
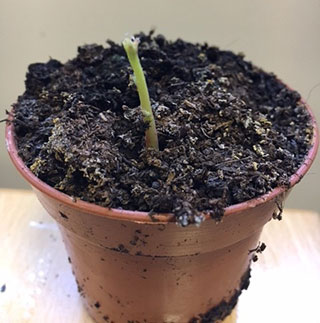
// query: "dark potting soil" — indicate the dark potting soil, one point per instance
point(228, 131)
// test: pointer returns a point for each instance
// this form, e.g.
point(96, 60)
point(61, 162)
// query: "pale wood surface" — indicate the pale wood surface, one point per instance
point(40, 288)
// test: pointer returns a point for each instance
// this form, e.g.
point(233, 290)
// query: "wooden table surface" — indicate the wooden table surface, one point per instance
point(36, 284)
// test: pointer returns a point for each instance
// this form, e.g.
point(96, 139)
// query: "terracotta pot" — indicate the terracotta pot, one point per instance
point(130, 268)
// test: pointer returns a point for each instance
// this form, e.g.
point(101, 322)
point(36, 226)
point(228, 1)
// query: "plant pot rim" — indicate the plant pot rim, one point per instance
point(144, 217)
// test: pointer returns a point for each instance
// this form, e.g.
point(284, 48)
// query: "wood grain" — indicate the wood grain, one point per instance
point(39, 286)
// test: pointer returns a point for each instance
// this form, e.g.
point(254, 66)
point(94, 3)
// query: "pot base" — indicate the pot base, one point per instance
point(225, 311)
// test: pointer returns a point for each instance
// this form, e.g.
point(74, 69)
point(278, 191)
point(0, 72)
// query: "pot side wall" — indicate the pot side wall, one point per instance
point(156, 272)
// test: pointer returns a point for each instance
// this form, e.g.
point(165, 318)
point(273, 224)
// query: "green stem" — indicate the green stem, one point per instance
point(131, 48)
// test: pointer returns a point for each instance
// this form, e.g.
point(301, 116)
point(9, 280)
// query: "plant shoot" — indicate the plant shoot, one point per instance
point(131, 48)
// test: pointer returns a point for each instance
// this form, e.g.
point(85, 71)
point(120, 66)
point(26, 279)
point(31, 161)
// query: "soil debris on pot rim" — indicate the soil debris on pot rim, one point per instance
point(228, 131)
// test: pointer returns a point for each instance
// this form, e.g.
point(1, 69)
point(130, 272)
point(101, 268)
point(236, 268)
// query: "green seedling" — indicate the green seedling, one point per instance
point(131, 47)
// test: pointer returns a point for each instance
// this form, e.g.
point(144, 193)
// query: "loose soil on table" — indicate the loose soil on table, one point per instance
point(228, 131)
